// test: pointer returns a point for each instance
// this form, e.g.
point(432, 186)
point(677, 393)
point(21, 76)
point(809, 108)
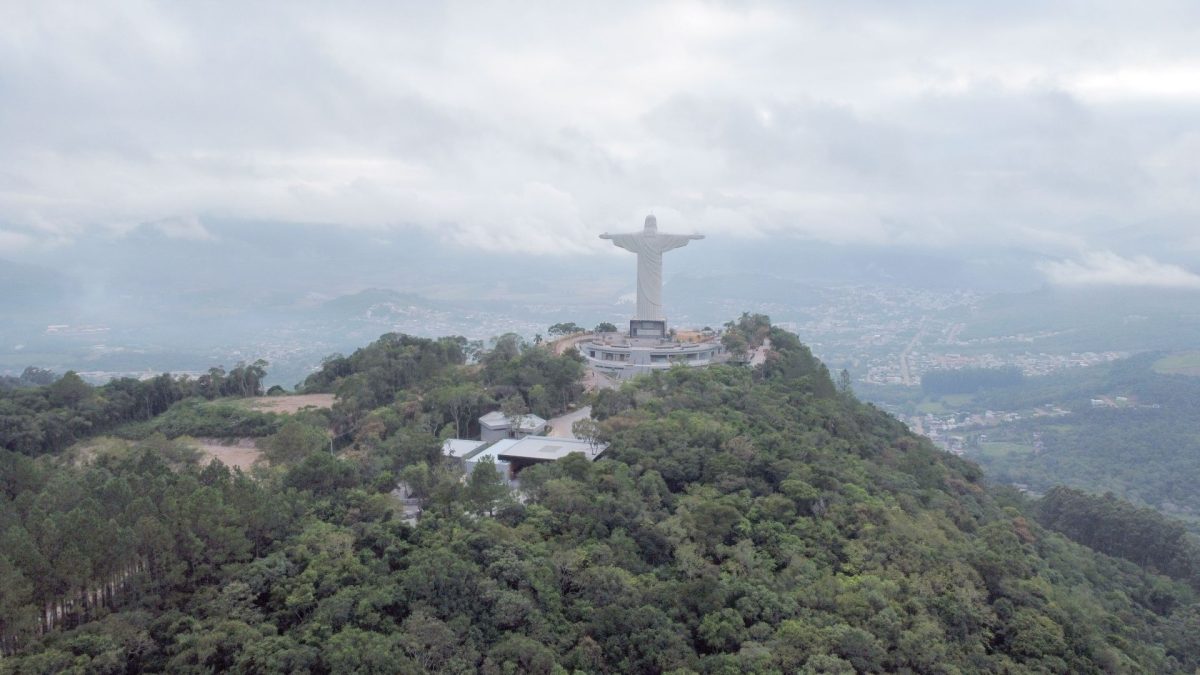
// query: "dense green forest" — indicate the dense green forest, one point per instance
point(426, 379)
point(41, 419)
point(742, 520)
point(1145, 448)
point(1116, 527)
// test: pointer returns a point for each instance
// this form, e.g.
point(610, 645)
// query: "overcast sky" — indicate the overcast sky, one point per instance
point(1070, 129)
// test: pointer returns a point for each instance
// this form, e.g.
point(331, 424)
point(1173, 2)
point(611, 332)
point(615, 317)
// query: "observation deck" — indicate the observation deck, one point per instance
point(623, 357)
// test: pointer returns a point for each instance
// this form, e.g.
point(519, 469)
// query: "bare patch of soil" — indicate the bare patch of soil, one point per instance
point(240, 452)
point(290, 404)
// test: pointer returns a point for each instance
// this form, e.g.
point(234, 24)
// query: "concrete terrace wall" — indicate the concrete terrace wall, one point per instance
point(626, 359)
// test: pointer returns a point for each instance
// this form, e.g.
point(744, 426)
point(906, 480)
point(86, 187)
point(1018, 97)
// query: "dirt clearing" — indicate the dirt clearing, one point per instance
point(239, 452)
point(290, 404)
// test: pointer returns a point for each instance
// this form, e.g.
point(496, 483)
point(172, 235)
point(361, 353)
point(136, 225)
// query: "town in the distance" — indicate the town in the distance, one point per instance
point(898, 342)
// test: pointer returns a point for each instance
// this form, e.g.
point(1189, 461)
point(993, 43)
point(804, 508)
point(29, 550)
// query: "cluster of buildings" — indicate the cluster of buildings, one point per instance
point(891, 336)
point(953, 431)
point(514, 444)
point(1030, 364)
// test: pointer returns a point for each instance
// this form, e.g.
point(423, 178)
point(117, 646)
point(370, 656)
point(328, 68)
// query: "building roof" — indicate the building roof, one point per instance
point(546, 448)
point(459, 447)
point(498, 420)
point(494, 420)
point(491, 450)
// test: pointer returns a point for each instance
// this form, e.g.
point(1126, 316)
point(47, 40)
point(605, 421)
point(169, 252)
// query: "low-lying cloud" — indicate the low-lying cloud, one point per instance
point(1105, 268)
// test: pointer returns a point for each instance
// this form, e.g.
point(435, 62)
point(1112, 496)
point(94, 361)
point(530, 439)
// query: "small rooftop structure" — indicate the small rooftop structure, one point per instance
point(484, 449)
point(459, 447)
point(490, 449)
point(496, 425)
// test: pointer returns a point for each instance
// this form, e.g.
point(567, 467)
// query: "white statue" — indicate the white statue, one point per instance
point(649, 246)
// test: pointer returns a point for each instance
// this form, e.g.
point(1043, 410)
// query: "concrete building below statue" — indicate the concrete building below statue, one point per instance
point(512, 455)
point(622, 356)
point(496, 426)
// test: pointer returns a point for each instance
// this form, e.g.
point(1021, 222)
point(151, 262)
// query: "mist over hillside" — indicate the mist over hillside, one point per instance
point(147, 301)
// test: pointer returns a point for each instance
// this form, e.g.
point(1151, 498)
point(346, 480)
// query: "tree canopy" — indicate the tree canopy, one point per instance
point(50, 416)
point(565, 328)
point(741, 520)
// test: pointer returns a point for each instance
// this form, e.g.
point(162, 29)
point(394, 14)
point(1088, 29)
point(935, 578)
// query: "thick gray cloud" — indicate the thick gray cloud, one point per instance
point(1069, 129)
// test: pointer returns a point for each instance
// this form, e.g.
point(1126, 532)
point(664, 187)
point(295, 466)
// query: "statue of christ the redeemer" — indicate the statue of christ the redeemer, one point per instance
point(649, 246)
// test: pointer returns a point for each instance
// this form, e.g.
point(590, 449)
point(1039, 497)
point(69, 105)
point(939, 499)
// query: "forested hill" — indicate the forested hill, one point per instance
point(741, 521)
point(1141, 443)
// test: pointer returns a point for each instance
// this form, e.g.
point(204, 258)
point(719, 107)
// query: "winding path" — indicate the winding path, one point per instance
point(560, 427)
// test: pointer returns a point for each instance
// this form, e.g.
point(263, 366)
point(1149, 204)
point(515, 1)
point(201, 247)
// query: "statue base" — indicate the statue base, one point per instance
point(647, 328)
point(647, 348)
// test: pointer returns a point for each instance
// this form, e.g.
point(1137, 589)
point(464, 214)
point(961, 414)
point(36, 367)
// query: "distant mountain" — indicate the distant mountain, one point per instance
point(375, 303)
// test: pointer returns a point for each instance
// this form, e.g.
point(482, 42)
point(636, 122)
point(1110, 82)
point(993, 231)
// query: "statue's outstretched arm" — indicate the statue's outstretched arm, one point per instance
point(625, 241)
point(670, 241)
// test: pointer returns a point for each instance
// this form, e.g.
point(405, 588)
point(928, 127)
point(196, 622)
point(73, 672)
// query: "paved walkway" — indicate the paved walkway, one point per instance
point(760, 355)
point(564, 343)
point(593, 380)
point(560, 427)
point(410, 504)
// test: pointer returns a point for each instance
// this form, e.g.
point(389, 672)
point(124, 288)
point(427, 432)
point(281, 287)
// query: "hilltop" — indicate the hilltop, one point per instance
point(742, 520)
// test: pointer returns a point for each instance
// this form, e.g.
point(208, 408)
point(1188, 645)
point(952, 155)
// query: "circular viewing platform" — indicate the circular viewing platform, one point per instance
point(623, 357)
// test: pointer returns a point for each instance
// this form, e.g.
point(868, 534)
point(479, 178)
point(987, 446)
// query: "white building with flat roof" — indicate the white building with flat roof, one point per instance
point(496, 425)
point(486, 449)
point(511, 455)
point(537, 449)
point(460, 447)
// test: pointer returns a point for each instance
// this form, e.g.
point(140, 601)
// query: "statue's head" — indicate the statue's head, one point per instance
point(651, 224)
